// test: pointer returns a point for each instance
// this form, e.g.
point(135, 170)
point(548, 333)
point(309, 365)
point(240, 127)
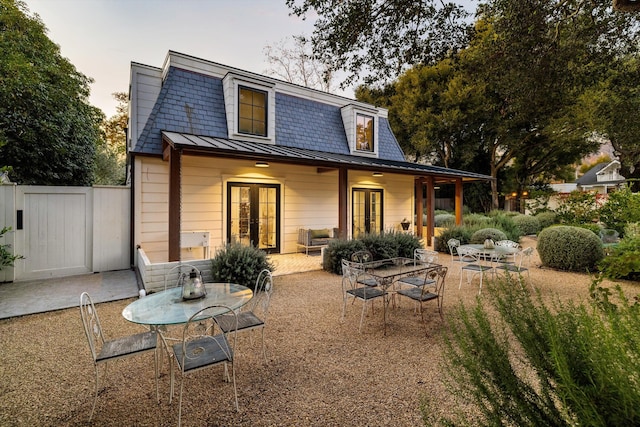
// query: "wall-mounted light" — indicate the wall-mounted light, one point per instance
point(262, 164)
point(377, 174)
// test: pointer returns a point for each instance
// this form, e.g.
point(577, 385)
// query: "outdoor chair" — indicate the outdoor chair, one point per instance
point(423, 256)
point(507, 258)
point(351, 289)
point(103, 351)
point(472, 263)
point(423, 294)
point(453, 245)
point(254, 314)
point(521, 264)
point(362, 257)
point(202, 348)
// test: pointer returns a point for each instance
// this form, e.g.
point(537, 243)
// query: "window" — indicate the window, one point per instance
point(364, 133)
point(252, 111)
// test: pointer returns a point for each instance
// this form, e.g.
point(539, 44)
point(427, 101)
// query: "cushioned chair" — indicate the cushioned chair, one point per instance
point(103, 351)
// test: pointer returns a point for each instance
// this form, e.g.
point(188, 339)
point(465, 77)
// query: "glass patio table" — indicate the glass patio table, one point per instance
point(168, 307)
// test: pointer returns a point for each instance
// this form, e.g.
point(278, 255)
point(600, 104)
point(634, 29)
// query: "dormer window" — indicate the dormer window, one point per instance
point(364, 133)
point(252, 111)
point(250, 106)
point(361, 127)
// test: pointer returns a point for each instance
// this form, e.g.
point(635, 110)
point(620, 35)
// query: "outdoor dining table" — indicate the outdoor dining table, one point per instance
point(388, 271)
point(490, 253)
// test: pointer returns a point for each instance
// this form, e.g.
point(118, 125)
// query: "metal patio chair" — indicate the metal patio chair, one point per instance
point(423, 294)
point(351, 289)
point(103, 351)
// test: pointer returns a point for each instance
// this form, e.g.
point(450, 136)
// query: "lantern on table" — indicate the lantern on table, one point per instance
point(193, 286)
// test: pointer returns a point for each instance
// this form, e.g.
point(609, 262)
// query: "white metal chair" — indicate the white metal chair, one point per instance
point(103, 351)
point(453, 245)
point(423, 294)
point(202, 348)
point(254, 314)
point(521, 264)
point(350, 289)
point(508, 258)
point(423, 256)
point(472, 263)
point(362, 257)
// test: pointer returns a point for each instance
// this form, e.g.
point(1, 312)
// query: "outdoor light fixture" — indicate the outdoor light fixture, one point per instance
point(377, 174)
point(262, 164)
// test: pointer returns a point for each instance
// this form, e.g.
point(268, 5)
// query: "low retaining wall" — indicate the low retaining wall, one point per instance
point(153, 275)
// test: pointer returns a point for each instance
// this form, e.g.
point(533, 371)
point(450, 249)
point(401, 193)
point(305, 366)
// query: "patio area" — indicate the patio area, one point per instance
point(320, 371)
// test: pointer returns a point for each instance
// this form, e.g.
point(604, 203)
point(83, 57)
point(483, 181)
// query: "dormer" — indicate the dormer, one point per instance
point(250, 106)
point(361, 126)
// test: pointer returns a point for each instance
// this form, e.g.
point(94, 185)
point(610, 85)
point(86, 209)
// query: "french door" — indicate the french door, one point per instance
point(367, 211)
point(253, 215)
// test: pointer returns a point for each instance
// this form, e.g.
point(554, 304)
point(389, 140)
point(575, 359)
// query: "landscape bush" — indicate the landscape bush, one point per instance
point(579, 207)
point(623, 259)
point(546, 219)
point(337, 250)
point(443, 220)
point(461, 233)
point(622, 207)
point(527, 224)
point(237, 263)
point(533, 365)
point(487, 233)
point(569, 248)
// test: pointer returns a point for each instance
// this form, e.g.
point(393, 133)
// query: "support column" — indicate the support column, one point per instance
point(431, 202)
point(175, 188)
point(343, 192)
point(458, 201)
point(419, 206)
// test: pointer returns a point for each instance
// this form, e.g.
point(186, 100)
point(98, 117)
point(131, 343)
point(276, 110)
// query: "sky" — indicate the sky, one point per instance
point(102, 37)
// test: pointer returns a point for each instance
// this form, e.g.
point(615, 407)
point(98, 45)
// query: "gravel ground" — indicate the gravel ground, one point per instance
point(320, 371)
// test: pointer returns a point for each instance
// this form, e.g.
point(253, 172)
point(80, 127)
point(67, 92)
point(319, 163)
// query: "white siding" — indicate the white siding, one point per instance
point(145, 86)
point(112, 217)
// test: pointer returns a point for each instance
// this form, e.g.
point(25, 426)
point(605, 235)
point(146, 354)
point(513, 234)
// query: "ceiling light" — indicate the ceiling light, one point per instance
point(377, 174)
point(262, 164)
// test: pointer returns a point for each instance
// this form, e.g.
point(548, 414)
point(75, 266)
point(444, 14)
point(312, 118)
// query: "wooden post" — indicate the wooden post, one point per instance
point(431, 202)
point(175, 188)
point(458, 201)
point(419, 206)
point(343, 187)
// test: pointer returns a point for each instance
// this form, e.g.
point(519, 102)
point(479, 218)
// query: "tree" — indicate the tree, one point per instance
point(48, 131)
point(297, 64)
point(378, 39)
point(111, 152)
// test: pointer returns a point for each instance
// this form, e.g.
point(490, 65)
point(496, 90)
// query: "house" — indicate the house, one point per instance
point(601, 178)
point(218, 154)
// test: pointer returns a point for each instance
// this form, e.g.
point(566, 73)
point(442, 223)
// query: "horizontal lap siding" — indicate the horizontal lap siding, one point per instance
point(152, 207)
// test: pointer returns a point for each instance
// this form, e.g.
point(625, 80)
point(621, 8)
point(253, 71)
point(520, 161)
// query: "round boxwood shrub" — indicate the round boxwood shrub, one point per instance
point(337, 250)
point(487, 233)
point(569, 248)
point(546, 219)
point(527, 224)
point(236, 263)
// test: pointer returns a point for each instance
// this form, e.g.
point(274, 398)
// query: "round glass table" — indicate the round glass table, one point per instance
point(168, 307)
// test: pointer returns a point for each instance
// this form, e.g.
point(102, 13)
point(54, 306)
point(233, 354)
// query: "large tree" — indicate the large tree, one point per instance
point(376, 40)
point(111, 152)
point(48, 130)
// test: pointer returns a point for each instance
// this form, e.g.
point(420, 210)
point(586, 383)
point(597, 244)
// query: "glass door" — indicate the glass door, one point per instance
point(253, 215)
point(367, 211)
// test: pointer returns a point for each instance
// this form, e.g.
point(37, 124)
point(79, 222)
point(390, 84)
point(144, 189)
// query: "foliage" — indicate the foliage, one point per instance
point(476, 220)
point(6, 258)
point(569, 248)
point(337, 250)
point(110, 163)
point(537, 365)
point(48, 131)
point(376, 40)
point(237, 263)
point(487, 233)
point(623, 259)
point(577, 208)
point(442, 220)
point(461, 233)
point(527, 224)
point(621, 207)
point(405, 242)
point(546, 219)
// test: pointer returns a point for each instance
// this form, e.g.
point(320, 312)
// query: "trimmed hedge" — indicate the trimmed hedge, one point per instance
point(487, 233)
point(569, 248)
point(527, 224)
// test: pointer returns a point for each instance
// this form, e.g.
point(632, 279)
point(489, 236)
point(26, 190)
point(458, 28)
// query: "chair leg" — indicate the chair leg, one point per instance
point(364, 309)
point(95, 397)
point(264, 350)
point(180, 401)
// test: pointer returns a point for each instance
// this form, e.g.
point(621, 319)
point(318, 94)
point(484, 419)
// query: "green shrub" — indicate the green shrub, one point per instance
point(462, 233)
point(405, 242)
point(527, 224)
point(623, 260)
point(569, 248)
point(442, 220)
point(532, 365)
point(578, 207)
point(622, 206)
point(594, 228)
point(487, 233)
point(381, 245)
point(239, 264)
point(472, 220)
point(506, 224)
point(337, 250)
point(7, 258)
point(546, 219)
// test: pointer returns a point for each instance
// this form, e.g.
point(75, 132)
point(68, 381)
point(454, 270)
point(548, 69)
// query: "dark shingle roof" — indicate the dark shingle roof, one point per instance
point(194, 104)
point(590, 177)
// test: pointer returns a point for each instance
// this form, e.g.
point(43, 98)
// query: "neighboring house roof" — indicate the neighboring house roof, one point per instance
point(600, 175)
point(241, 149)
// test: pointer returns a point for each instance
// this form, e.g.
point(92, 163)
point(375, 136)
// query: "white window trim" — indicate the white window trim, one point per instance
point(349, 114)
point(231, 84)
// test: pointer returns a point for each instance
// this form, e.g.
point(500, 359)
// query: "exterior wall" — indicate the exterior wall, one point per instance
point(308, 198)
point(146, 83)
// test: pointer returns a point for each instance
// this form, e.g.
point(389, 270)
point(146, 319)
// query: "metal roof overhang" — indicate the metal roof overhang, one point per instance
point(222, 147)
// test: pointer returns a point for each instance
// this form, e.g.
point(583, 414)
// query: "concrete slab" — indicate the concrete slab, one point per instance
point(37, 296)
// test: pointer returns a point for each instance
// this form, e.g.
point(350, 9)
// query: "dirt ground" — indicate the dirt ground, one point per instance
point(320, 371)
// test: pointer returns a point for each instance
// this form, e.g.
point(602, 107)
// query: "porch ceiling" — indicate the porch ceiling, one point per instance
point(221, 147)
